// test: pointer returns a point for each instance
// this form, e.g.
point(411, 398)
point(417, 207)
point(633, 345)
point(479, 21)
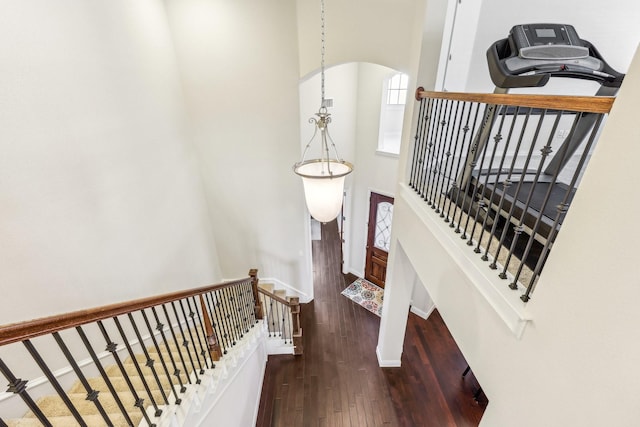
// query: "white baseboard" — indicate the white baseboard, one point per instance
point(424, 314)
point(387, 363)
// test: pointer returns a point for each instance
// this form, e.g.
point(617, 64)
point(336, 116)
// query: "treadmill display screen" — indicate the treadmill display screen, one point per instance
point(545, 32)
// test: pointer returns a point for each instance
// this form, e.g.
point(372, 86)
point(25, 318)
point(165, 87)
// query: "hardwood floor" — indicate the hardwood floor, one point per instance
point(337, 382)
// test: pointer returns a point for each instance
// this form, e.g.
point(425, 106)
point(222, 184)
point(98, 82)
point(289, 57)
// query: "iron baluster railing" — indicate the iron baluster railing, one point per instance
point(199, 329)
point(92, 394)
point(53, 381)
point(112, 348)
point(458, 185)
point(160, 329)
point(161, 357)
point(103, 374)
point(149, 362)
point(461, 146)
point(505, 184)
point(497, 139)
point(184, 344)
point(417, 144)
point(19, 387)
point(455, 155)
point(177, 344)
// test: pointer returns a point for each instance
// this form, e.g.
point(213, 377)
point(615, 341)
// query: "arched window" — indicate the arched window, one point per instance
point(392, 113)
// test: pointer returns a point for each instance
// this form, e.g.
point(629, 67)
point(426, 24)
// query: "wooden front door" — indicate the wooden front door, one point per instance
point(378, 238)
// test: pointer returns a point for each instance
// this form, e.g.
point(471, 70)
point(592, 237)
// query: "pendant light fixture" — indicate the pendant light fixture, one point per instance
point(323, 178)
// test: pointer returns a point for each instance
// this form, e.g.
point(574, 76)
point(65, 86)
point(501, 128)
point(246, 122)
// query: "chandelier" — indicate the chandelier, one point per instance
point(323, 178)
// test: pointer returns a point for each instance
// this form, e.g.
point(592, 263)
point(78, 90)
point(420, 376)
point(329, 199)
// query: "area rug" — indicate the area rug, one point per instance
point(366, 294)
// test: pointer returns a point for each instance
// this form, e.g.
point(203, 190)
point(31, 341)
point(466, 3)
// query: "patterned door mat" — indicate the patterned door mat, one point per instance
point(366, 294)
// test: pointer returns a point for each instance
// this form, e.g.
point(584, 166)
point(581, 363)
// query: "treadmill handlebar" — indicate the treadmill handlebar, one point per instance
point(537, 74)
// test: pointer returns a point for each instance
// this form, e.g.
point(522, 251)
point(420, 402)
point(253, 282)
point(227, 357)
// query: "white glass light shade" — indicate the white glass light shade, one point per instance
point(323, 190)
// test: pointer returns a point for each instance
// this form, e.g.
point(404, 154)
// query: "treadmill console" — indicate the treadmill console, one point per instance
point(532, 53)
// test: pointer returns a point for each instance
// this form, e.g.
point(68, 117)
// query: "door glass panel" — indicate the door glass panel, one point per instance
point(384, 214)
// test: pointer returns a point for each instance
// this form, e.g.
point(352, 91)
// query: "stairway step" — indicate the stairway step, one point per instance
point(53, 406)
point(266, 286)
point(120, 384)
point(92, 421)
point(132, 372)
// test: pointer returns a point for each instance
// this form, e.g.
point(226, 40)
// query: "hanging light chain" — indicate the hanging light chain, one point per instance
point(322, 51)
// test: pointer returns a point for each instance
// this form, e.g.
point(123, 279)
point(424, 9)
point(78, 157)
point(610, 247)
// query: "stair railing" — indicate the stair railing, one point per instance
point(502, 169)
point(282, 317)
point(156, 347)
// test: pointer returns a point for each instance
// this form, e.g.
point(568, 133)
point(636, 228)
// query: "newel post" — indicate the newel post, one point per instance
point(294, 303)
point(257, 308)
point(212, 339)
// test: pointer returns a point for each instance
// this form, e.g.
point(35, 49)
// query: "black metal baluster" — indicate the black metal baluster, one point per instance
point(192, 341)
point(199, 330)
point(237, 289)
point(235, 309)
point(497, 138)
point(519, 229)
point(283, 329)
point(416, 146)
point(19, 386)
point(545, 153)
point(507, 183)
point(185, 343)
point(439, 153)
point(2, 423)
point(471, 160)
point(218, 323)
point(103, 373)
point(485, 256)
point(424, 149)
point(132, 355)
point(563, 207)
point(562, 154)
point(442, 172)
point(252, 302)
point(149, 362)
point(451, 175)
point(176, 342)
point(159, 352)
point(244, 297)
point(53, 381)
point(483, 139)
point(228, 314)
point(463, 188)
point(92, 394)
point(112, 348)
point(431, 149)
point(160, 328)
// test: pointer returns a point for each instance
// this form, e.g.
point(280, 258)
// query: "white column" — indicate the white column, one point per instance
point(395, 309)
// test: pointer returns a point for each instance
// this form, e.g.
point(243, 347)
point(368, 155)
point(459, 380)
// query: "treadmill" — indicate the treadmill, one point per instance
point(529, 57)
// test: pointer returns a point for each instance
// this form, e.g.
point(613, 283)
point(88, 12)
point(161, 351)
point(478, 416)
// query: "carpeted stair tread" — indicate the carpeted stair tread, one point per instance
point(117, 420)
point(120, 384)
point(53, 406)
point(130, 369)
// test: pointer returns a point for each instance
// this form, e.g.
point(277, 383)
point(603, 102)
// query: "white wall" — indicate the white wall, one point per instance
point(374, 171)
point(612, 28)
point(576, 362)
point(239, 65)
point(100, 196)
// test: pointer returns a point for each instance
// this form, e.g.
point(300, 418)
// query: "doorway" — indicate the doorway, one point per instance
point(378, 238)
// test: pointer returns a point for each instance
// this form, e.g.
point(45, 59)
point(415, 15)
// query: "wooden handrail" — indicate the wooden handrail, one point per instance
point(274, 296)
point(586, 104)
point(29, 329)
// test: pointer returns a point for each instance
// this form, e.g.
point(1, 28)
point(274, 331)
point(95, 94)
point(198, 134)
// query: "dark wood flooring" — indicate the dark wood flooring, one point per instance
point(337, 382)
